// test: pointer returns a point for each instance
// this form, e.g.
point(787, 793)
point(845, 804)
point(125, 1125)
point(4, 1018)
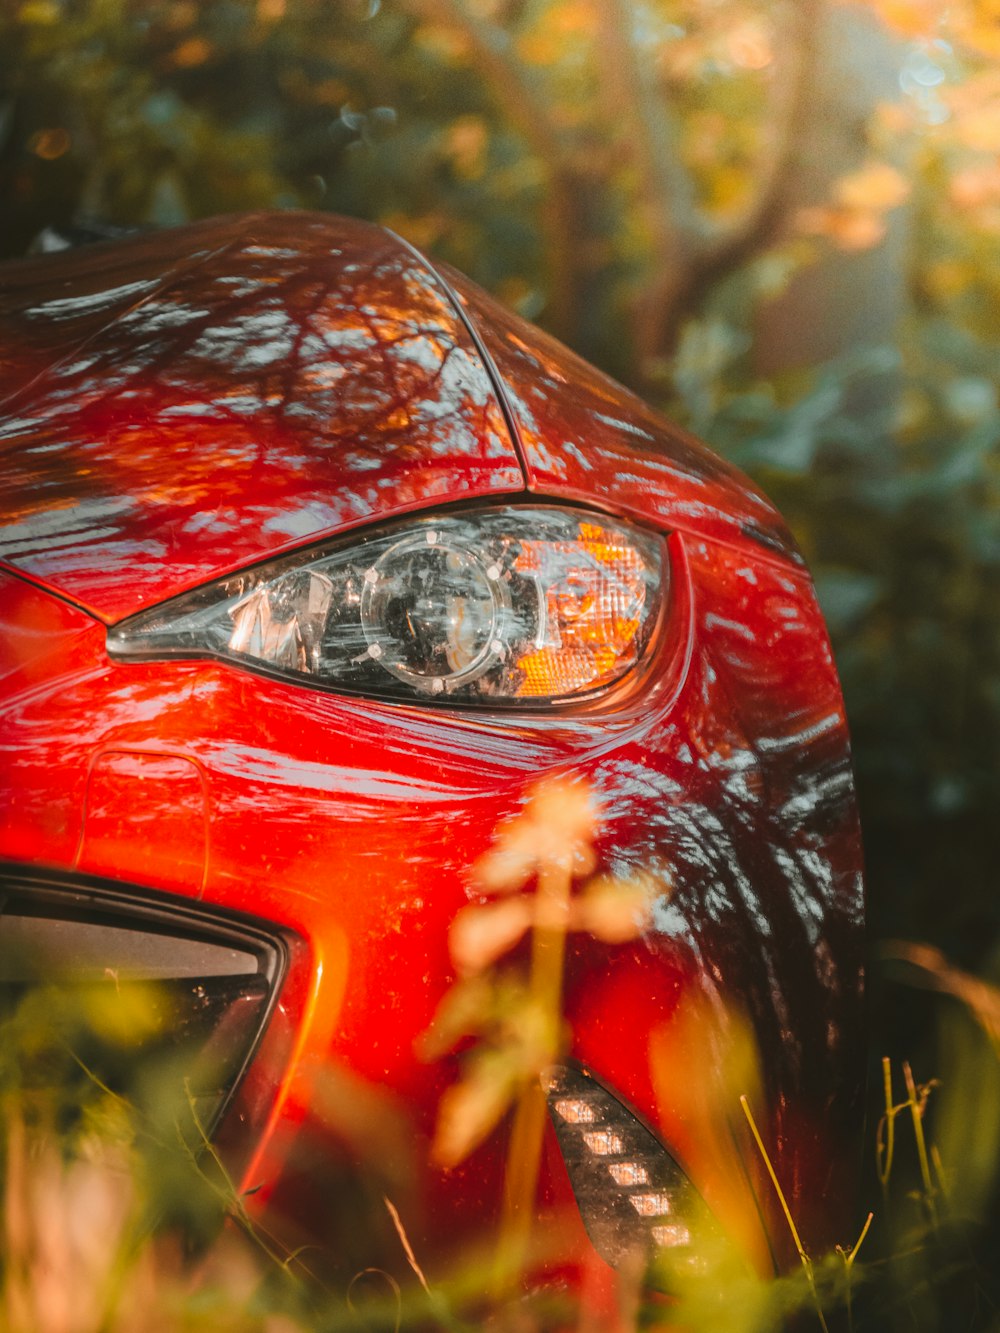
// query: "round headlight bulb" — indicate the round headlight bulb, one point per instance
point(432, 612)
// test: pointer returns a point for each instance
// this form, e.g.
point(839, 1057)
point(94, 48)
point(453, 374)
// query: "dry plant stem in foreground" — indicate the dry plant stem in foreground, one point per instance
point(916, 1100)
point(917, 1096)
point(849, 1256)
point(548, 952)
point(885, 1139)
point(539, 877)
point(807, 1264)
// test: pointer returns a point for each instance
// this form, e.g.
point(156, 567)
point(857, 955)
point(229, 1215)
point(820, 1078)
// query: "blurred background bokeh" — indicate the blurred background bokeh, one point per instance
point(779, 220)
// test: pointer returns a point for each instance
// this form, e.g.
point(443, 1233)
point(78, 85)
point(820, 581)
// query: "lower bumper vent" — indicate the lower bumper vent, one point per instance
point(181, 994)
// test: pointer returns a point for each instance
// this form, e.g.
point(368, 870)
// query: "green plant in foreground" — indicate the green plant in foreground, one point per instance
point(117, 1215)
point(540, 879)
point(109, 1220)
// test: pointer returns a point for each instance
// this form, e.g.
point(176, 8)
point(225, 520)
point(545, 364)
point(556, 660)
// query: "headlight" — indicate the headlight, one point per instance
point(506, 605)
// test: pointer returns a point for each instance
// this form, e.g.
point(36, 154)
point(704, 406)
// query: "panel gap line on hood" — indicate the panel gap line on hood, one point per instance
point(496, 379)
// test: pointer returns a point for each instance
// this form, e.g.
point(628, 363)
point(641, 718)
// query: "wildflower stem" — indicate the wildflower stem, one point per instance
point(916, 1105)
point(800, 1248)
point(404, 1240)
point(885, 1147)
point(849, 1257)
point(853, 1253)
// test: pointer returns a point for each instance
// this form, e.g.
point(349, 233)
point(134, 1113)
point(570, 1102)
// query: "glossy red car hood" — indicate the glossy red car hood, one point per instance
point(180, 404)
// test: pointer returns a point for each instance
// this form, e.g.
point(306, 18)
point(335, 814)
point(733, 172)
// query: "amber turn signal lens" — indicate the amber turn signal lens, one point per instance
point(595, 610)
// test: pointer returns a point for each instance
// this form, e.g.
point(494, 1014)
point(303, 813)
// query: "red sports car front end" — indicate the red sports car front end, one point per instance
point(314, 563)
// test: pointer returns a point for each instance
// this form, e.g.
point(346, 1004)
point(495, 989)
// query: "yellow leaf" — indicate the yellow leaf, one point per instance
point(467, 1009)
point(749, 44)
point(979, 128)
point(41, 12)
point(191, 53)
point(556, 829)
point(977, 26)
point(615, 910)
point(848, 228)
point(561, 26)
point(577, 17)
point(976, 185)
point(469, 1110)
point(466, 142)
point(422, 230)
point(877, 186)
point(912, 18)
point(480, 935)
point(446, 43)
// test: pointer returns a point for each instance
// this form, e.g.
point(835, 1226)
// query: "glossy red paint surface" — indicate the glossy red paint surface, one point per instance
point(177, 407)
point(583, 436)
point(146, 819)
point(351, 822)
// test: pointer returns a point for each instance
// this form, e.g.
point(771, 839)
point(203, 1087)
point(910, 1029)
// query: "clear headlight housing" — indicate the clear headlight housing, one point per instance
point(513, 605)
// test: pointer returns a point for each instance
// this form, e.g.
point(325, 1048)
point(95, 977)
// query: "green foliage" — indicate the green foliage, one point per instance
point(621, 170)
point(114, 1217)
point(885, 464)
point(160, 112)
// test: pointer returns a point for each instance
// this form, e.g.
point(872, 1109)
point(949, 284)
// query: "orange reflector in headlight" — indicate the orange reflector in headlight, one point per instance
point(593, 610)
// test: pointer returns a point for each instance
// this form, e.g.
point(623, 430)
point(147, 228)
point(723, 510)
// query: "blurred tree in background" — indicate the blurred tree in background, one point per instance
point(778, 219)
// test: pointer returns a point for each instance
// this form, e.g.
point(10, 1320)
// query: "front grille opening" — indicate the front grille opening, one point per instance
point(157, 1001)
point(636, 1202)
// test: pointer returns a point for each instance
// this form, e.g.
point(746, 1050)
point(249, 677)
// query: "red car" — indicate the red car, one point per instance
point(314, 560)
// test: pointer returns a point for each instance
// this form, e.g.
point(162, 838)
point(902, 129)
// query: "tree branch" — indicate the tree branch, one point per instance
point(687, 248)
point(665, 191)
point(493, 53)
point(725, 244)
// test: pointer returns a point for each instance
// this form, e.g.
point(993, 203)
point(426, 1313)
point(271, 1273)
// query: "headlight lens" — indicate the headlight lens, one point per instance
point(507, 605)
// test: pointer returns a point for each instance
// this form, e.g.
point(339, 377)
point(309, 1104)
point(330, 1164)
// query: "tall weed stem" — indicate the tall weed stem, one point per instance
point(806, 1262)
point(548, 952)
